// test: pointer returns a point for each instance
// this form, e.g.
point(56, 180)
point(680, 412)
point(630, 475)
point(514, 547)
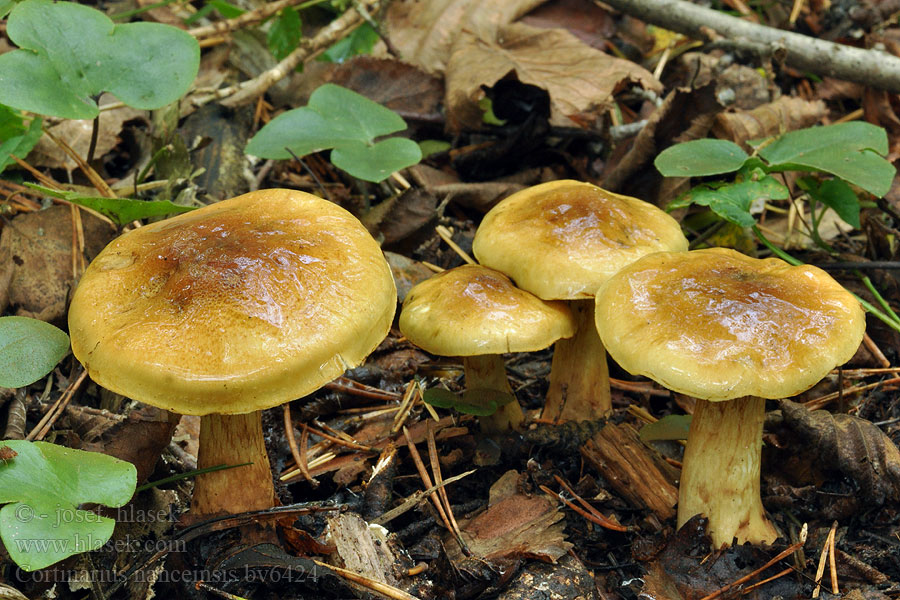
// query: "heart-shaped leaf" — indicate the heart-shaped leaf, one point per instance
point(733, 201)
point(29, 349)
point(42, 488)
point(70, 53)
point(853, 151)
point(348, 122)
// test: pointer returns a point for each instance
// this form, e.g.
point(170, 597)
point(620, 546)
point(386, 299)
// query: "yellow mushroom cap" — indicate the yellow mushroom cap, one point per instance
point(234, 307)
point(561, 240)
point(716, 324)
point(473, 310)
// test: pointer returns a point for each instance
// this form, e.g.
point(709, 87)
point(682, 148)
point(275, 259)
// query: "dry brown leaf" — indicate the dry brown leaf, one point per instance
point(783, 115)
point(852, 446)
point(424, 31)
point(36, 260)
point(579, 78)
point(515, 525)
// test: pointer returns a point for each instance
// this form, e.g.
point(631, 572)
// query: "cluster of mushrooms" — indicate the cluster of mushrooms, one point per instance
point(261, 299)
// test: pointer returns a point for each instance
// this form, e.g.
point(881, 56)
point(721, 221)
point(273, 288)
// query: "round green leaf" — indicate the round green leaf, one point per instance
point(376, 162)
point(70, 53)
point(29, 349)
point(42, 488)
point(699, 158)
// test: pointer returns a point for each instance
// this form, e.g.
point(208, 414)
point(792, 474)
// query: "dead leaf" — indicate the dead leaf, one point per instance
point(587, 21)
point(783, 115)
point(852, 446)
point(424, 31)
point(578, 78)
point(401, 87)
point(686, 114)
point(36, 260)
point(515, 526)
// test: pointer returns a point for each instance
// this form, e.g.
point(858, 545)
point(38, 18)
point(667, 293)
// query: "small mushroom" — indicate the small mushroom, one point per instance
point(560, 241)
point(477, 313)
point(731, 331)
point(228, 310)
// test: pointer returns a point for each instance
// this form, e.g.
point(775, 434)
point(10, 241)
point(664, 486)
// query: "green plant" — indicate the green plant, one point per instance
point(851, 153)
point(479, 402)
point(70, 53)
point(120, 210)
point(16, 137)
point(42, 486)
point(345, 122)
point(839, 157)
point(29, 349)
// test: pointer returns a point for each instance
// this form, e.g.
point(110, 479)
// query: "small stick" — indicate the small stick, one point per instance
point(341, 442)
point(442, 492)
point(415, 498)
point(254, 16)
point(753, 586)
point(409, 399)
point(601, 519)
point(376, 586)
point(445, 235)
point(361, 390)
point(824, 400)
point(784, 553)
point(876, 351)
point(56, 411)
point(292, 442)
point(820, 569)
point(832, 567)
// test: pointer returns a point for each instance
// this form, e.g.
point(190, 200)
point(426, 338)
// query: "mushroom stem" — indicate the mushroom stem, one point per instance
point(232, 440)
point(720, 477)
point(579, 375)
point(488, 371)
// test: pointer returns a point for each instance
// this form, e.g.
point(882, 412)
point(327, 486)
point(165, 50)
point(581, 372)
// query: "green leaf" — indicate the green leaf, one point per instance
point(670, 427)
point(20, 145)
point(6, 6)
point(733, 201)
point(285, 33)
point(226, 9)
point(852, 151)
point(478, 402)
point(42, 488)
point(699, 158)
point(348, 122)
point(376, 162)
point(429, 147)
point(838, 196)
point(360, 41)
point(29, 349)
point(120, 210)
point(71, 53)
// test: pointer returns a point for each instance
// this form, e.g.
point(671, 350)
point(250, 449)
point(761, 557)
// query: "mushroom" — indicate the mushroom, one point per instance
point(228, 310)
point(560, 241)
point(477, 313)
point(731, 331)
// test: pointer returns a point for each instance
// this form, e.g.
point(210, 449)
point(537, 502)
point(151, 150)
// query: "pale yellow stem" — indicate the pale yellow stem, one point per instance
point(579, 376)
point(232, 440)
point(489, 372)
point(720, 476)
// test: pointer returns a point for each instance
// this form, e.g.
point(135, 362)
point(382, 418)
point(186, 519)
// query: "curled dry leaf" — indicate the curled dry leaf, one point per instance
point(514, 526)
point(477, 44)
point(854, 447)
point(783, 115)
point(579, 78)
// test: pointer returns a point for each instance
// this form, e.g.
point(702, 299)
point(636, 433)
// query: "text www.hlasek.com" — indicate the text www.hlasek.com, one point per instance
point(86, 543)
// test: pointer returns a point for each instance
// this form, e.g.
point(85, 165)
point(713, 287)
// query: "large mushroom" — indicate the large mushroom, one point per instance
point(560, 241)
point(477, 313)
point(228, 310)
point(731, 331)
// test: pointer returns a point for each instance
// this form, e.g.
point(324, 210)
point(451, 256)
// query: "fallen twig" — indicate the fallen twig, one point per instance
point(873, 68)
